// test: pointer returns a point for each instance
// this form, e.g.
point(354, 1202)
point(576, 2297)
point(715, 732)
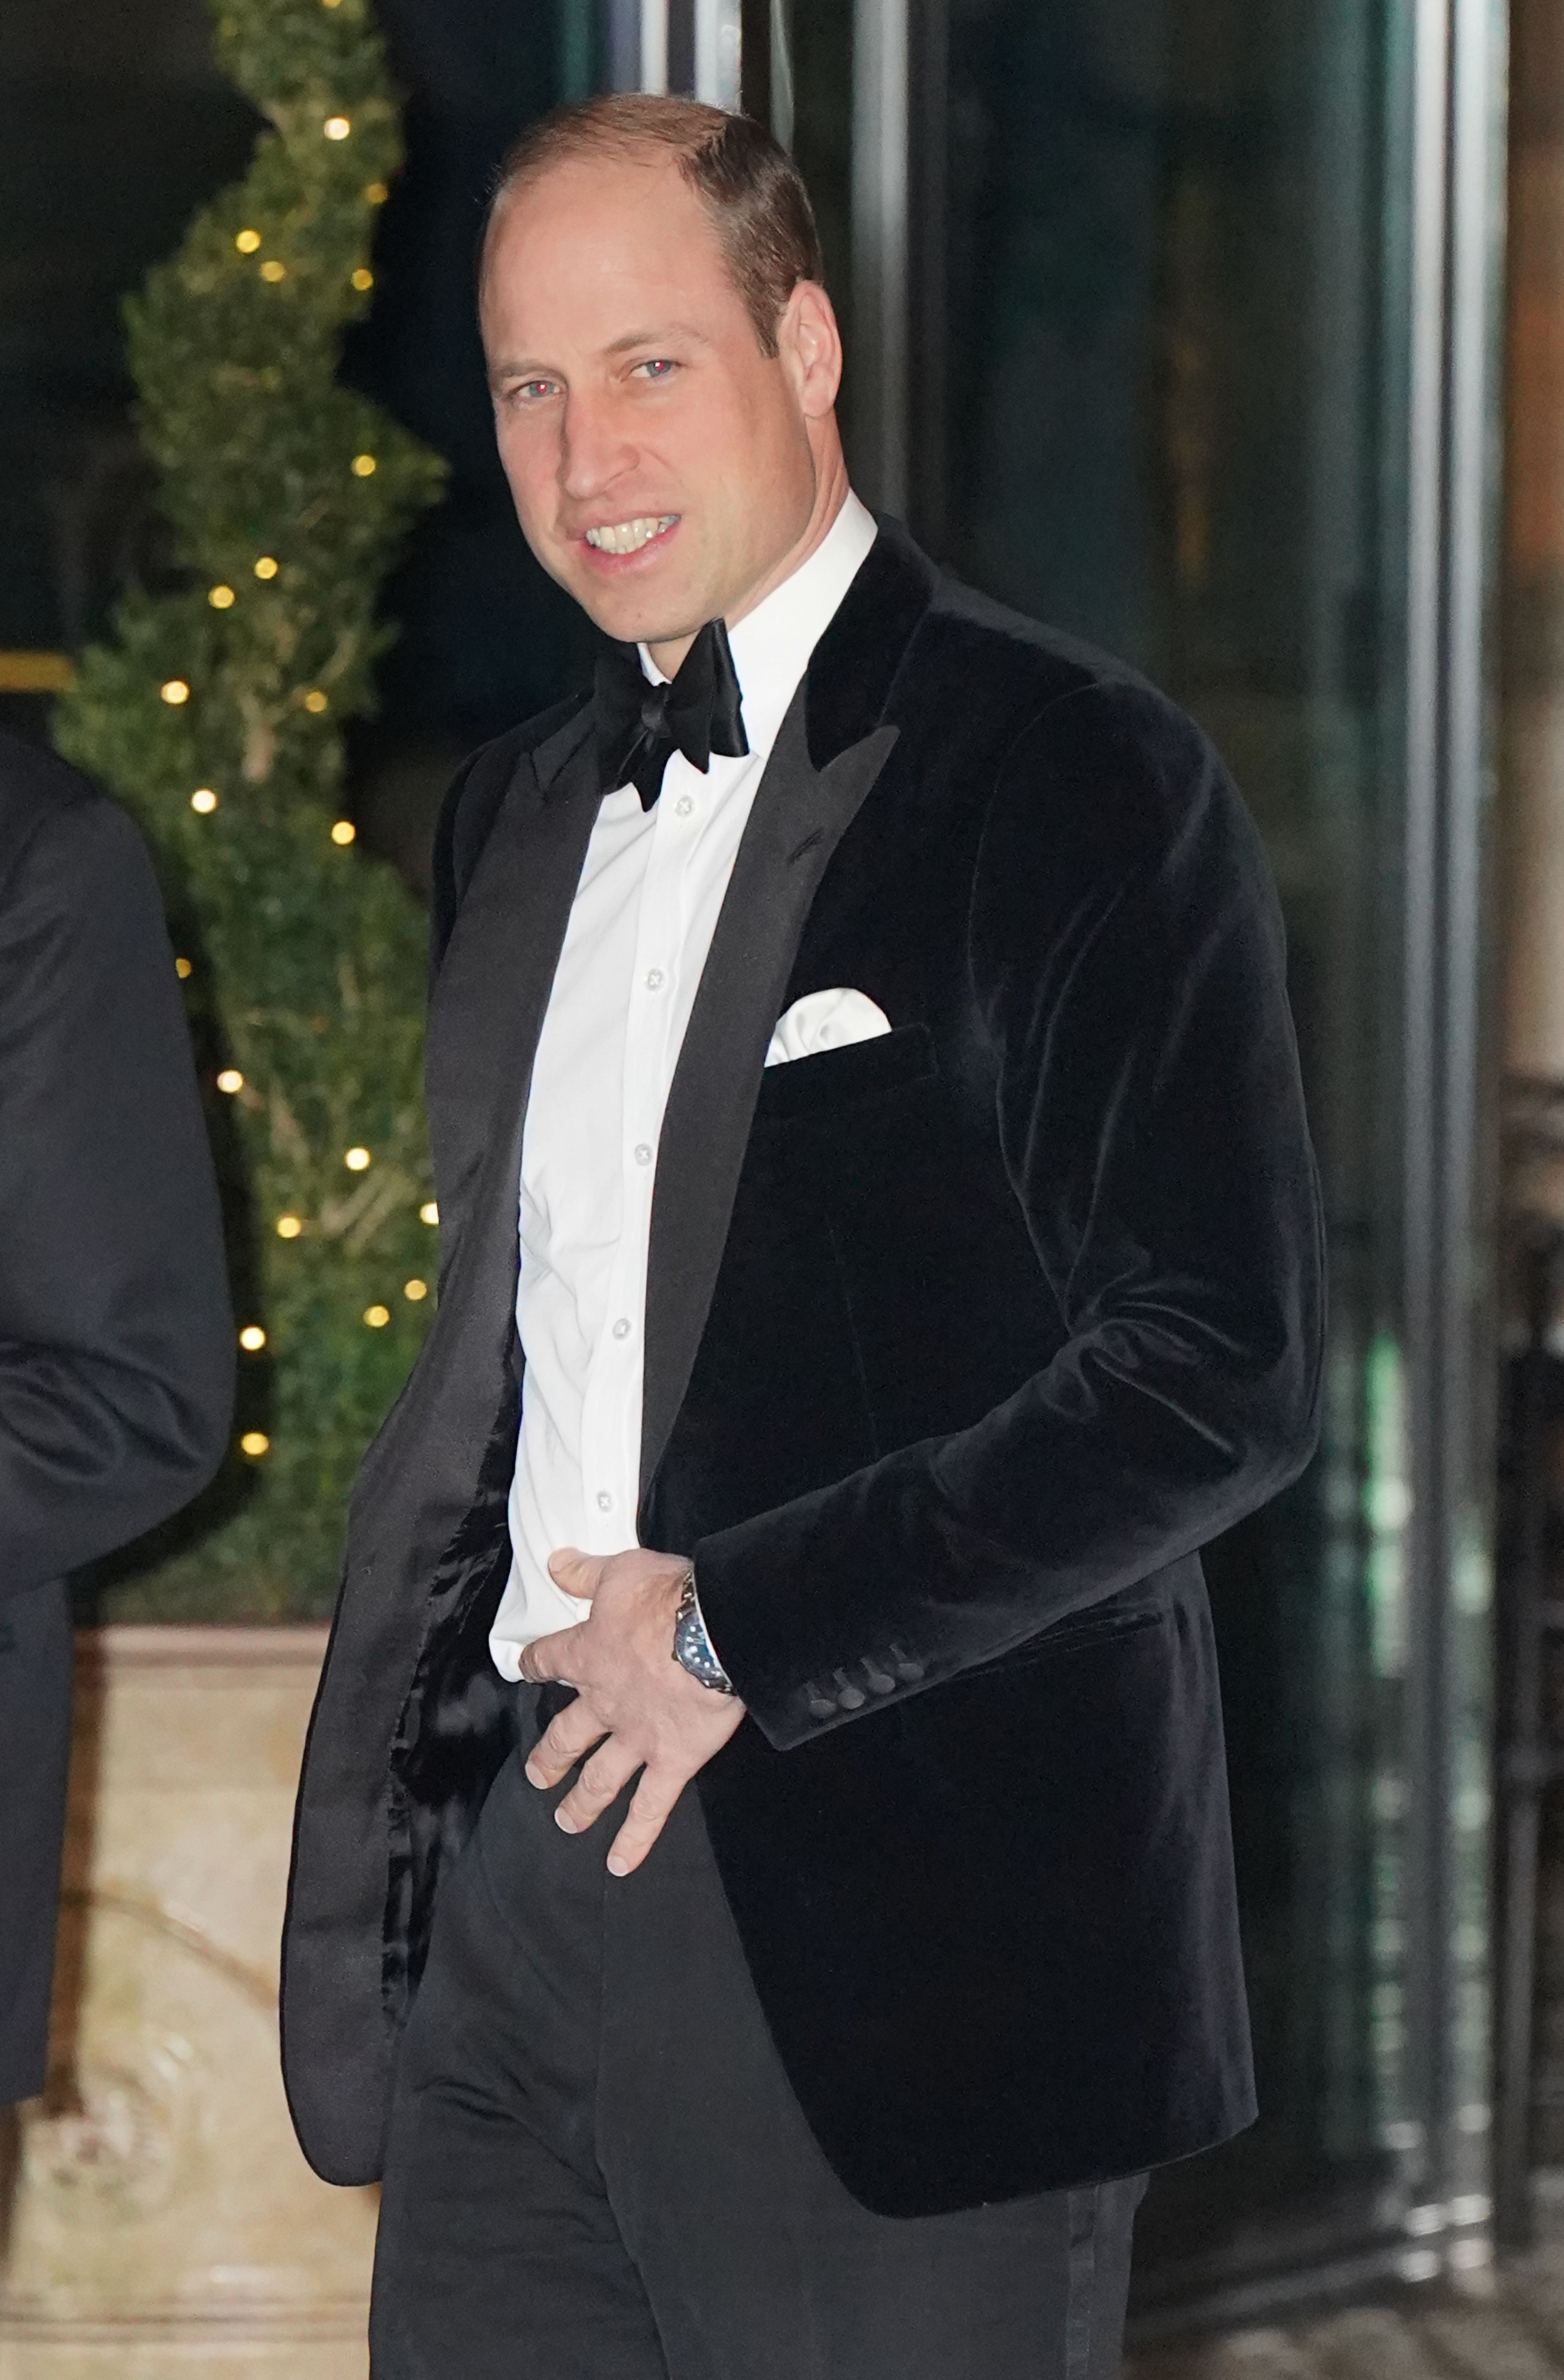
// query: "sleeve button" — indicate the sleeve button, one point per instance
point(849, 1696)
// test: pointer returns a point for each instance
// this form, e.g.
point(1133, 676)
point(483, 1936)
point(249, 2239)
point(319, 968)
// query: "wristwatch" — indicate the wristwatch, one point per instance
point(693, 1648)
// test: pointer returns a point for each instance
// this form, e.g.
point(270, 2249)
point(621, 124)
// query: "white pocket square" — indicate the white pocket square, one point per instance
point(825, 1020)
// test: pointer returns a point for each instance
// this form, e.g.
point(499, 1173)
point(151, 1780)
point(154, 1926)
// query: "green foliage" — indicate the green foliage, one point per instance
point(287, 496)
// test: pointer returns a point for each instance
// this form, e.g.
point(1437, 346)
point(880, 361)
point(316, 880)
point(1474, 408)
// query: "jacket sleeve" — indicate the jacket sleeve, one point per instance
point(116, 1337)
point(1127, 972)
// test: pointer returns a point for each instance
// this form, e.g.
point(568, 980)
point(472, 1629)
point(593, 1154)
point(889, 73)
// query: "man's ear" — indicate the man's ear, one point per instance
point(811, 347)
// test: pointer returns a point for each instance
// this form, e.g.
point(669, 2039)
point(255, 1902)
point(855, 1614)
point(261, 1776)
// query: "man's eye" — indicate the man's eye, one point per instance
point(529, 392)
point(657, 367)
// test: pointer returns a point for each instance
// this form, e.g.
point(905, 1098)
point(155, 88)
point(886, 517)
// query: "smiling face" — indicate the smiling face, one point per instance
point(664, 470)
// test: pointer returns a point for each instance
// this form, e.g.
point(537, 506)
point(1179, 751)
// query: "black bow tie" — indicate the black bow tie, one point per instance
point(640, 727)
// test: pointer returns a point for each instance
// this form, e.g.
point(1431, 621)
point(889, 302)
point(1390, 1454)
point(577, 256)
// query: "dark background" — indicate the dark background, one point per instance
point(114, 127)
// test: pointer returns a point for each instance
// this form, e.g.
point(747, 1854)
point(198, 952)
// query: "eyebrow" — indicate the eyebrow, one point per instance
point(528, 368)
point(651, 338)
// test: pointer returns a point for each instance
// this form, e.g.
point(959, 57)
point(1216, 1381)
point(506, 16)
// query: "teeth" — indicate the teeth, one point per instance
point(628, 537)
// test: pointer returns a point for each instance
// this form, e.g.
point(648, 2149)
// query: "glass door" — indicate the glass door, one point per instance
point(1198, 339)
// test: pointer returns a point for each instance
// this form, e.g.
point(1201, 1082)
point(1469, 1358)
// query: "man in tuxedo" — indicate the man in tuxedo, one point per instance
point(762, 1893)
point(116, 1338)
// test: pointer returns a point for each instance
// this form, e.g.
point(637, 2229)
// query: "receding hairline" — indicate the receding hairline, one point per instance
point(643, 153)
point(746, 187)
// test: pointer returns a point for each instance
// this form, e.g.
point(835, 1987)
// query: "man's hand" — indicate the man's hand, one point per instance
point(633, 1700)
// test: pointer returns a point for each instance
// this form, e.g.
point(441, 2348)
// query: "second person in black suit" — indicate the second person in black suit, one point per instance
point(116, 1337)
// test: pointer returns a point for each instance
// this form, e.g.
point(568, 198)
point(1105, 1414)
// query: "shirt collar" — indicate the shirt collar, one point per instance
point(772, 644)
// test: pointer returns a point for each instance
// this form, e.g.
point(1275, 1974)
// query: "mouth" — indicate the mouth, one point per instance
point(619, 539)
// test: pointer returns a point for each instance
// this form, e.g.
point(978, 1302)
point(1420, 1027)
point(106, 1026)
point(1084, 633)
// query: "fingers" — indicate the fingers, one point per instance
point(561, 1745)
point(575, 1572)
point(606, 1774)
point(549, 1658)
point(649, 1813)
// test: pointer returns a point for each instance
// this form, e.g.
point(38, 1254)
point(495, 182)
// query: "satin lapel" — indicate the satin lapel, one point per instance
point(800, 816)
point(492, 994)
point(420, 1474)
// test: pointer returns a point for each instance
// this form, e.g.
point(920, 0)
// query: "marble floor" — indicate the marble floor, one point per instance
point(157, 2221)
point(1503, 2325)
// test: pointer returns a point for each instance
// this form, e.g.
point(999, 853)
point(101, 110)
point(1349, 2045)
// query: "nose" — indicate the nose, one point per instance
point(594, 450)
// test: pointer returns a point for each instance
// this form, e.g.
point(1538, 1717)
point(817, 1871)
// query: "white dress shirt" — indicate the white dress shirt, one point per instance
point(651, 886)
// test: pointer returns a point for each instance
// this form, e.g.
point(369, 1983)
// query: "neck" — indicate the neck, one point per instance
point(830, 495)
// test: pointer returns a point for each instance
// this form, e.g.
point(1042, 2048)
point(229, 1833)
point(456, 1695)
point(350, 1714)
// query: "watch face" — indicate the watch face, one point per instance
point(694, 1654)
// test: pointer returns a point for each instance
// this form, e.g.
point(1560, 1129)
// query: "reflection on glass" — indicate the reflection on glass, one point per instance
point(1160, 399)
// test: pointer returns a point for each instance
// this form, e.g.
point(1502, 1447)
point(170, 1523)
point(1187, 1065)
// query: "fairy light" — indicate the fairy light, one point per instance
point(362, 277)
point(221, 598)
point(414, 1290)
point(255, 1443)
point(377, 1317)
point(274, 270)
point(315, 701)
point(203, 801)
point(266, 566)
point(288, 1227)
point(364, 467)
point(183, 969)
point(357, 1160)
point(429, 1212)
point(344, 832)
point(376, 193)
point(337, 127)
point(230, 1080)
point(252, 1338)
point(175, 691)
point(246, 241)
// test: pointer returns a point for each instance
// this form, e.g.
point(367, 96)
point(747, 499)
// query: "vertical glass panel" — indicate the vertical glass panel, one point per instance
point(1161, 324)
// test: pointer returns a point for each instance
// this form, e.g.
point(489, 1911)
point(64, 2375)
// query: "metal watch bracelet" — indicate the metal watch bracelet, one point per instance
point(693, 1648)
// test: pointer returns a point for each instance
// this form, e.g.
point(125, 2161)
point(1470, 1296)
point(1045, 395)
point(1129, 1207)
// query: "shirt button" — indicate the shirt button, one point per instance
point(684, 806)
point(643, 1152)
point(605, 1501)
point(654, 979)
point(622, 1328)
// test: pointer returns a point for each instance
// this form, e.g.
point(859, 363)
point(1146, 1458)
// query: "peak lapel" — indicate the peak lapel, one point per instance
point(800, 816)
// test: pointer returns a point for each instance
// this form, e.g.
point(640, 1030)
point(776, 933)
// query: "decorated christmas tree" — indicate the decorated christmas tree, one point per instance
point(215, 713)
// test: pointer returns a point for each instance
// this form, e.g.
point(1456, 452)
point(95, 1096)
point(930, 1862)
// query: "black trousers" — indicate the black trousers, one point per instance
point(597, 2170)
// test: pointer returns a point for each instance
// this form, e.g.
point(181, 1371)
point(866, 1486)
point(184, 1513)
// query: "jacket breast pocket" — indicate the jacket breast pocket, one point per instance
point(832, 1078)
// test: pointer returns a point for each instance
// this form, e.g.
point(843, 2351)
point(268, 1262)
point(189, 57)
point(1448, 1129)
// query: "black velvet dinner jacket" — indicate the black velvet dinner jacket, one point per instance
point(959, 1344)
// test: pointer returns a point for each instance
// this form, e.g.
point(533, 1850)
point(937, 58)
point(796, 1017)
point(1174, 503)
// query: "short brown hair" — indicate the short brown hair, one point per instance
point(746, 181)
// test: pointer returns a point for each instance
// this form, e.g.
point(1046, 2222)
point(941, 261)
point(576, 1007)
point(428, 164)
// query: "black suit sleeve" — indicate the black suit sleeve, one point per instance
point(1127, 977)
point(116, 1341)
